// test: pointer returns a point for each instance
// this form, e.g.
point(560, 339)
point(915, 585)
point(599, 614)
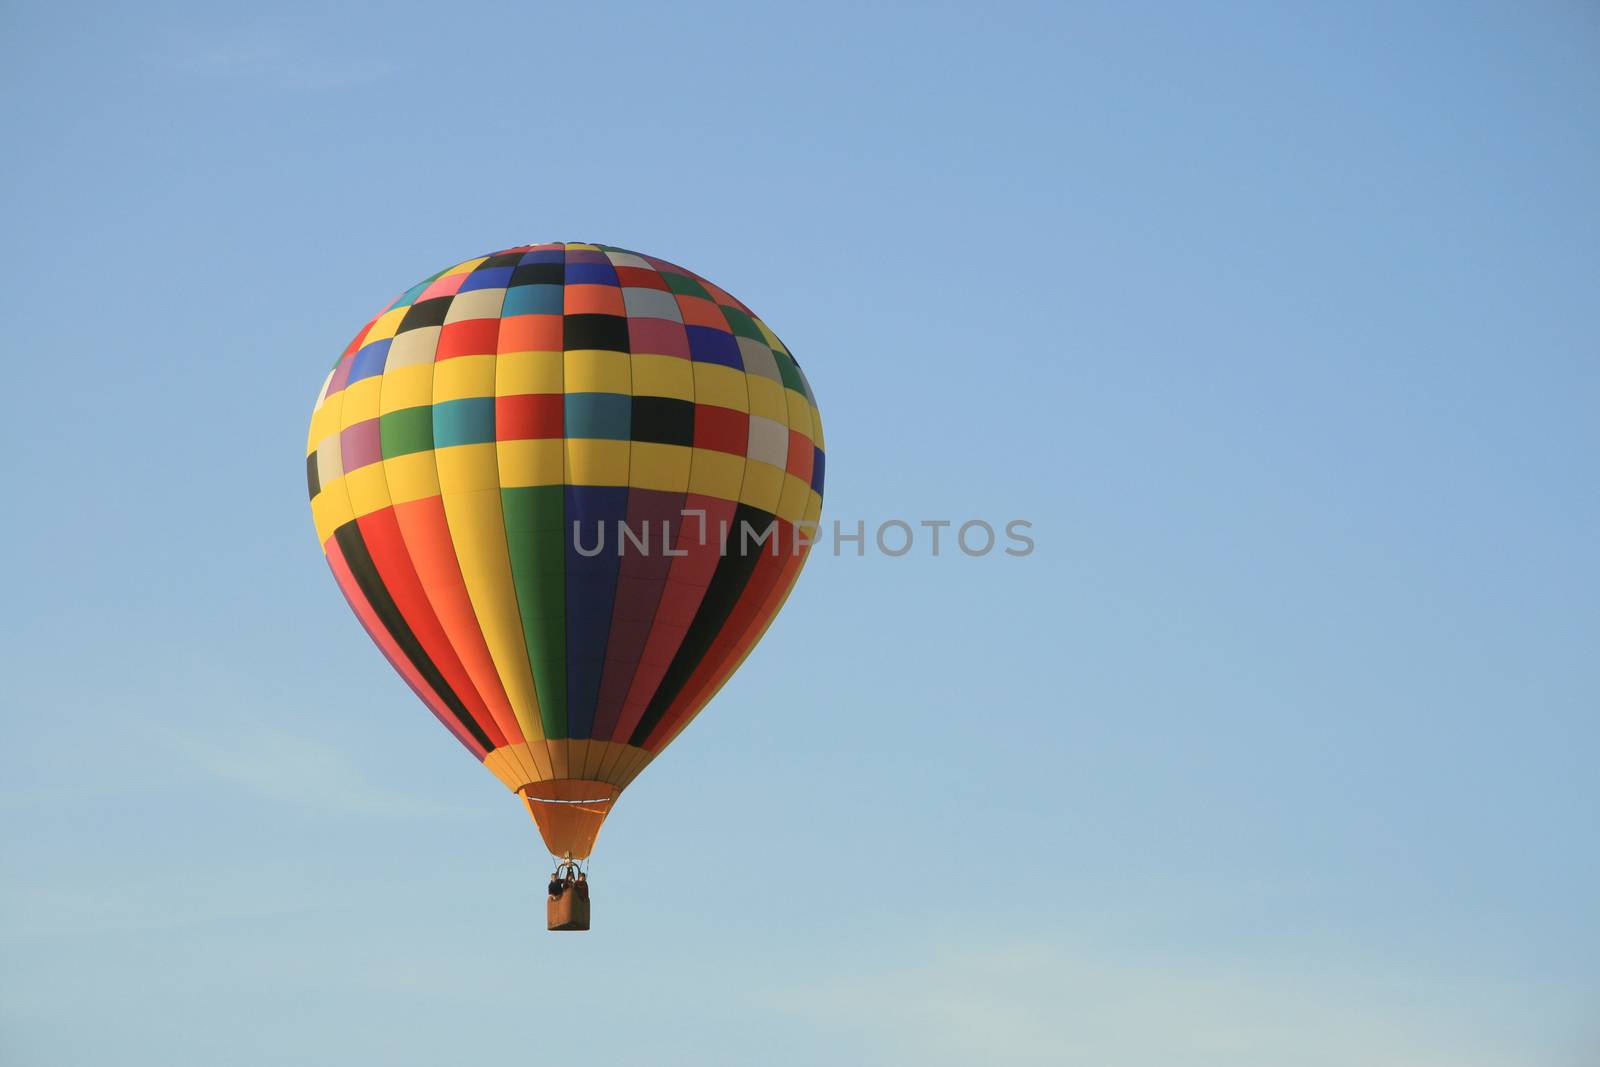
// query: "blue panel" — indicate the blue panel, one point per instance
point(707, 345)
point(369, 360)
point(591, 591)
point(489, 278)
point(591, 274)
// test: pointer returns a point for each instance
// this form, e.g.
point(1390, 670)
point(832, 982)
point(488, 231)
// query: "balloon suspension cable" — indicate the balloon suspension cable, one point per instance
point(569, 869)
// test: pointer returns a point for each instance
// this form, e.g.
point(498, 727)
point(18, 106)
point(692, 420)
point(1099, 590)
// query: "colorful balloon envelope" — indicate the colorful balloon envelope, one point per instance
point(565, 488)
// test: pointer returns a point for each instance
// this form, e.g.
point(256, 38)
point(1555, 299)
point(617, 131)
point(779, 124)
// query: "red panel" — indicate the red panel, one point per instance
point(391, 651)
point(721, 428)
point(680, 599)
point(641, 278)
point(802, 456)
point(526, 416)
point(744, 625)
point(387, 547)
point(470, 337)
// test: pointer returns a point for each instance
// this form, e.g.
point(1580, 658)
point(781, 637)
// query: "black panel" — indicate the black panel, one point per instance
point(366, 575)
point(609, 332)
point(540, 274)
point(664, 420)
point(427, 313)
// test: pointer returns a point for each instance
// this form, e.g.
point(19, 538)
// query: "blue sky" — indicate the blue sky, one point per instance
point(1277, 321)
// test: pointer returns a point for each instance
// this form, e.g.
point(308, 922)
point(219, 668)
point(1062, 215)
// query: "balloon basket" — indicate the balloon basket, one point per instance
point(567, 907)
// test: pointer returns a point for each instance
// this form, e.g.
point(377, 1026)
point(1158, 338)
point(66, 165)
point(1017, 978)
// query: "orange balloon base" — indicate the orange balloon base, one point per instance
point(569, 813)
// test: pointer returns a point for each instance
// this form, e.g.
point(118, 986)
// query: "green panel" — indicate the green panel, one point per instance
point(406, 431)
point(789, 372)
point(535, 534)
point(742, 325)
point(678, 283)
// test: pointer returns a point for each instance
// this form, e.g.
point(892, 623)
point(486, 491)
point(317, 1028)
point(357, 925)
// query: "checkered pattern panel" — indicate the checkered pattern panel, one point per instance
point(474, 450)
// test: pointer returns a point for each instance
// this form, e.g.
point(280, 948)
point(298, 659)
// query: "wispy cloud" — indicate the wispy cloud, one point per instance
point(284, 53)
point(44, 911)
point(1044, 1003)
point(286, 768)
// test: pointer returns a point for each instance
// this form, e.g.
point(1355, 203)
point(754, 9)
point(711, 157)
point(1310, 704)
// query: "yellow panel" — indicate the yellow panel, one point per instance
point(512, 767)
point(522, 764)
point(766, 398)
point(591, 763)
point(506, 764)
point(799, 412)
point(813, 506)
point(368, 488)
point(610, 753)
point(330, 509)
point(464, 267)
point(529, 762)
point(716, 474)
point(385, 326)
point(722, 386)
point(526, 771)
point(771, 338)
point(612, 763)
point(763, 484)
point(663, 376)
point(463, 377)
point(324, 422)
point(628, 768)
point(559, 767)
point(528, 372)
point(408, 387)
point(476, 304)
point(792, 504)
point(411, 477)
point(477, 531)
point(537, 462)
point(597, 371)
point(578, 758)
point(468, 468)
point(538, 755)
point(596, 462)
point(816, 428)
point(603, 754)
point(658, 466)
point(361, 401)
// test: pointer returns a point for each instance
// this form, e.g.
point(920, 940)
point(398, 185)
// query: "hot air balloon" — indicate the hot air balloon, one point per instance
point(534, 476)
